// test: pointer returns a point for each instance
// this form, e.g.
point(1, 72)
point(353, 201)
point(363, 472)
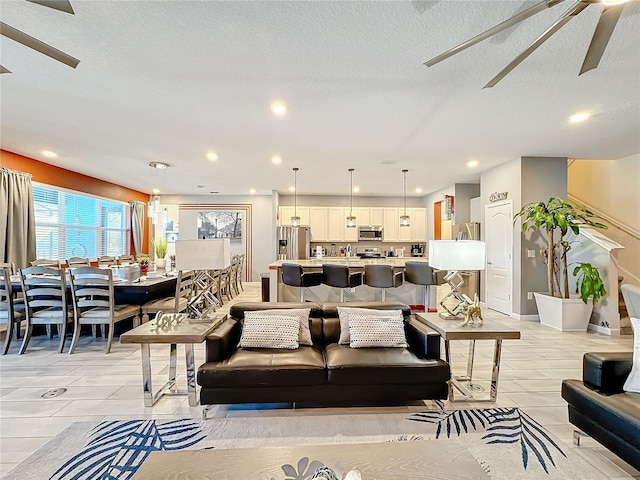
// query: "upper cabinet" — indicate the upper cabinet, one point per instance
point(329, 224)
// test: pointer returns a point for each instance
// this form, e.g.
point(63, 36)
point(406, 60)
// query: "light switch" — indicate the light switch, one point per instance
point(531, 253)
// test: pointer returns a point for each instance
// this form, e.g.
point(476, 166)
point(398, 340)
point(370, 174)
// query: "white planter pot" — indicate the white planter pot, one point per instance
point(565, 314)
point(161, 263)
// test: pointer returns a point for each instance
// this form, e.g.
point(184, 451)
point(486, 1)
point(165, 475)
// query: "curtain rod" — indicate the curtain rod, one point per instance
point(17, 172)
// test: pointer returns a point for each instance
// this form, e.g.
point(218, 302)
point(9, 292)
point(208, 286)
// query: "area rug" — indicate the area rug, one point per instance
point(506, 442)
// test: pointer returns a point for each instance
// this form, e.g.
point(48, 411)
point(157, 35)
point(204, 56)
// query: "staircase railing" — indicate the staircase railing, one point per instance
point(608, 218)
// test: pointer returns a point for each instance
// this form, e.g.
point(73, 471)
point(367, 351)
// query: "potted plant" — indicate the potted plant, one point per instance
point(160, 246)
point(557, 308)
point(144, 264)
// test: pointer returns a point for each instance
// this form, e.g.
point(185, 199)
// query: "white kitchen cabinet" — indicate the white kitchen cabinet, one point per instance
point(350, 234)
point(336, 224)
point(319, 223)
point(363, 215)
point(405, 233)
point(376, 215)
point(287, 212)
point(390, 224)
point(418, 224)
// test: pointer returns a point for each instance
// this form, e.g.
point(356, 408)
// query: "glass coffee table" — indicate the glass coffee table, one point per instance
point(451, 330)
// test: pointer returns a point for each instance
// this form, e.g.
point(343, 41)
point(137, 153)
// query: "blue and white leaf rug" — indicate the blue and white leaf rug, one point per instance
point(506, 442)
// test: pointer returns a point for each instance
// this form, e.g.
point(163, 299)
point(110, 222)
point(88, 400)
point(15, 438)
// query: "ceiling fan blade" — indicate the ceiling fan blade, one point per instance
point(4, 70)
point(538, 7)
point(62, 5)
point(608, 20)
point(35, 44)
point(572, 12)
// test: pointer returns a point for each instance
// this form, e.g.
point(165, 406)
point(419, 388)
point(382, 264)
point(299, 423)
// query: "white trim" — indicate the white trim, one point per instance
point(526, 318)
point(604, 330)
point(608, 218)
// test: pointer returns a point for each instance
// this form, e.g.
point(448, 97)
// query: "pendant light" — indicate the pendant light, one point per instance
point(351, 220)
point(404, 219)
point(295, 220)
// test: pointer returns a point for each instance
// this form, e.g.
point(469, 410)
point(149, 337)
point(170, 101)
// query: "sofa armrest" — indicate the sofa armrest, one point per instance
point(222, 341)
point(606, 371)
point(423, 341)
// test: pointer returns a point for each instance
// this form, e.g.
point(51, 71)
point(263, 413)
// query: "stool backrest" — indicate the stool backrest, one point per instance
point(335, 275)
point(419, 273)
point(292, 274)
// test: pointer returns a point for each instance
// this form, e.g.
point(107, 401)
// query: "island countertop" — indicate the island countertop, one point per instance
point(396, 262)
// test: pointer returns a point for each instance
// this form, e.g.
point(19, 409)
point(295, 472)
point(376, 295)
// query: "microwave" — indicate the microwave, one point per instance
point(368, 233)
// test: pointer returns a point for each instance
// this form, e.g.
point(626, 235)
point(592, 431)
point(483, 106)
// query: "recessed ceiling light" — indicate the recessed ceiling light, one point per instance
point(418, 190)
point(276, 159)
point(156, 191)
point(579, 117)
point(159, 165)
point(252, 191)
point(279, 108)
point(472, 163)
point(200, 186)
point(356, 189)
point(213, 156)
point(49, 154)
point(292, 189)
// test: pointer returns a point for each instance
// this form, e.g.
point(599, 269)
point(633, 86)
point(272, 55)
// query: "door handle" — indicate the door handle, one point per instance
point(489, 263)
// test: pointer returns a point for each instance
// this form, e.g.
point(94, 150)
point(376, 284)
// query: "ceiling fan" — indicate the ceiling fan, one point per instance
point(38, 45)
point(608, 19)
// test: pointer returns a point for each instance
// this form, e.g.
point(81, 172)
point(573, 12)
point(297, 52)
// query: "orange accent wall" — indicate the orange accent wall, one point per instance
point(61, 177)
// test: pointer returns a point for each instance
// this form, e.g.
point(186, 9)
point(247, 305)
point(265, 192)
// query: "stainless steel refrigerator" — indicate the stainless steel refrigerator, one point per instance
point(293, 243)
point(468, 231)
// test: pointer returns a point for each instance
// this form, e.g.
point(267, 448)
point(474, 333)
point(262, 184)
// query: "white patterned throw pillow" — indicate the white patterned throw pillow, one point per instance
point(344, 312)
point(270, 331)
point(376, 331)
point(633, 380)
point(304, 337)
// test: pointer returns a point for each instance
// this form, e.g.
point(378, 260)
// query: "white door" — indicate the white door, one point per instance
point(499, 241)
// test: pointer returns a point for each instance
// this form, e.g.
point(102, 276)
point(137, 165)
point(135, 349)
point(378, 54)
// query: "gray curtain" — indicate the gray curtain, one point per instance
point(17, 218)
point(137, 225)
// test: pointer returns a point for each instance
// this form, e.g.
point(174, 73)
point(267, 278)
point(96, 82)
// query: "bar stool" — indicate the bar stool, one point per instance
point(294, 276)
point(420, 273)
point(382, 277)
point(339, 276)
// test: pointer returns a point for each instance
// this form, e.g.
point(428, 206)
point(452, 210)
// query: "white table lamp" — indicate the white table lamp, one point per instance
point(456, 256)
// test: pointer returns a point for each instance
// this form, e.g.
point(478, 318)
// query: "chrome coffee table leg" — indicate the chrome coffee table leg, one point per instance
point(191, 375)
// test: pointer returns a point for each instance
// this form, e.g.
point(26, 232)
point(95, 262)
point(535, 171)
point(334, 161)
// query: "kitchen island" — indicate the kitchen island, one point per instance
point(408, 293)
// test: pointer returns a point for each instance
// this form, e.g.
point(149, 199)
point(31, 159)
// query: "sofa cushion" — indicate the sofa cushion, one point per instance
point(619, 412)
point(365, 366)
point(344, 313)
point(255, 368)
point(377, 331)
point(270, 331)
point(304, 337)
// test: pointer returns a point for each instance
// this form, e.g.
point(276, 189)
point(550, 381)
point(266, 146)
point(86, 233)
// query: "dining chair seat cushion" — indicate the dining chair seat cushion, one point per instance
point(166, 304)
point(51, 312)
point(121, 311)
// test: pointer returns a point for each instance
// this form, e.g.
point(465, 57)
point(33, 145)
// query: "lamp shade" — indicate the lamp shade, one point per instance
point(206, 254)
point(457, 254)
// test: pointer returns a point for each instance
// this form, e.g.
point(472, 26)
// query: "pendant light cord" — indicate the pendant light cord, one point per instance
point(351, 193)
point(404, 191)
point(295, 191)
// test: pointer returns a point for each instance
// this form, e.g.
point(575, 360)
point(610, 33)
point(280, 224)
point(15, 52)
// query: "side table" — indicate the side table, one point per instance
point(187, 333)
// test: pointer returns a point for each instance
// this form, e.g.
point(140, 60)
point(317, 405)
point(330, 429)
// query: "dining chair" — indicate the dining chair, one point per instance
point(225, 283)
point(45, 298)
point(74, 262)
point(235, 272)
point(175, 304)
point(94, 303)
point(106, 260)
point(241, 270)
point(126, 259)
point(10, 265)
point(46, 262)
point(11, 313)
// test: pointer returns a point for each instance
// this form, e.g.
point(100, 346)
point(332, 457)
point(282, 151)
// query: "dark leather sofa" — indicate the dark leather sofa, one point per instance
point(600, 408)
point(325, 373)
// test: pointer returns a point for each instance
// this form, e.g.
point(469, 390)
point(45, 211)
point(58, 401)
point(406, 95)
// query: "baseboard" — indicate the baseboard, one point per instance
point(604, 330)
point(525, 318)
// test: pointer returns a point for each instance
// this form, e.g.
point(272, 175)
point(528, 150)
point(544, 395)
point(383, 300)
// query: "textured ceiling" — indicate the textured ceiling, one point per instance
point(169, 81)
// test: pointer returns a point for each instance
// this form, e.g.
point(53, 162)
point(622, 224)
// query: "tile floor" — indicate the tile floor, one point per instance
point(101, 387)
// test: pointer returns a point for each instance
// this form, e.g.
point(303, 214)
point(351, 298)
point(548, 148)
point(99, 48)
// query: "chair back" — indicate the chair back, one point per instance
point(106, 260)
point(419, 273)
point(44, 287)
point(379, 276)
point(45, 262)
point(631, 296)
point(335, 275)
point(292, 274)
point(126, 259)
point(185, 287)
point(6, 295)
point(10, 265)
point(92, 287)
point(74, 262)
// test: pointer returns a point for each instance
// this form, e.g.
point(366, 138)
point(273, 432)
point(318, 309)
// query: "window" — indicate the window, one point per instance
point(70, 224)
